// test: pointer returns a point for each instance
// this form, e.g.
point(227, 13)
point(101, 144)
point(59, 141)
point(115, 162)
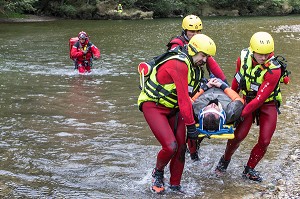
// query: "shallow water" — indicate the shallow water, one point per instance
point(68, 136)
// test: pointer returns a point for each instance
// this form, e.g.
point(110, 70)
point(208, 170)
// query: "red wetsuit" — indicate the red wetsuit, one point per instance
point(83, 62)
point(213, 67)
point(162, 120)
point(267, 117)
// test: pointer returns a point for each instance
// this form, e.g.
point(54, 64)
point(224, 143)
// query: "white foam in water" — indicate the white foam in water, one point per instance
point(57, 116)
point(52, 69)
point(145, 179)
point(64, 134)
point(73, 122)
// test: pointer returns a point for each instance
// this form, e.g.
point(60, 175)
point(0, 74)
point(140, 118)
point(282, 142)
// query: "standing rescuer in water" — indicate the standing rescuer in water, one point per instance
point(191, 26)
point(258, 74)
point(83, 52)
point(166, 104)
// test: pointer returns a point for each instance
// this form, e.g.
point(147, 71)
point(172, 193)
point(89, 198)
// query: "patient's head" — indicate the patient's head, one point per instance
point(211, 116)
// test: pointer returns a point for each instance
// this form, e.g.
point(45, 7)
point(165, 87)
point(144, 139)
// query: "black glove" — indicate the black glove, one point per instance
point(204, 87)
point(223, 86)
point(192, 132)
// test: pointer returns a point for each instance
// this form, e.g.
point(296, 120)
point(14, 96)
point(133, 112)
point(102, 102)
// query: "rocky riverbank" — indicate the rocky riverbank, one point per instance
point(287, 186)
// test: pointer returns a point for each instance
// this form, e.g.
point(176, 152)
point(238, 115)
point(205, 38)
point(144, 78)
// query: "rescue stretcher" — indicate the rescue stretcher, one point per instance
point(226, 133)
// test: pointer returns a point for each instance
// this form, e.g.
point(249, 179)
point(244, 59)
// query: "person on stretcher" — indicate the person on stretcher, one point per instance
point(217, 107)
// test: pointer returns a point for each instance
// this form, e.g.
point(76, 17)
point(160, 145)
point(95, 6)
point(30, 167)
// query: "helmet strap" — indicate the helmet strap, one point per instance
point(184, 35)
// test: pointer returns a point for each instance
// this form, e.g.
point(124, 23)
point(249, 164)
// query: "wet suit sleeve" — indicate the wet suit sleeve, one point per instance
point(215, 69)
point(95, 51)
point(176, 71)
point(200, 92)
point(234, 83)
point(75, 53)
point(233, 95)
point(265, 89)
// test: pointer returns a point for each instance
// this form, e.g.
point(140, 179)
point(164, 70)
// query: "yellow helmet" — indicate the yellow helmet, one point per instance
point(191, 22)
point(262, 43)
point(201, 43)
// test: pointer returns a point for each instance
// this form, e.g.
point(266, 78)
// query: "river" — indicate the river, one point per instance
point(68, 136)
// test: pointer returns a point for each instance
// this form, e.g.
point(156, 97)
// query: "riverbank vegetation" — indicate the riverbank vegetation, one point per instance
point(141, 9)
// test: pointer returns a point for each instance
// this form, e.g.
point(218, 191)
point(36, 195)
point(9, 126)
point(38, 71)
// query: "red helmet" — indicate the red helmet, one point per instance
point(82, 35)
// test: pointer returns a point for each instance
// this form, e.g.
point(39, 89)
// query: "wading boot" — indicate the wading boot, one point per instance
point(251, 174)
point(157, 182)
point(194, 156)
point(177, 189)
point(222, 166)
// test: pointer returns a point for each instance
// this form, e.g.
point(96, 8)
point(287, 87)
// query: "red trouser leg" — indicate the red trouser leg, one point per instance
point(81, 69)
point(240, 134)
point(178, 161)
point(192, 145)
point(267, 126)
point(173, 145)
point(88, 69)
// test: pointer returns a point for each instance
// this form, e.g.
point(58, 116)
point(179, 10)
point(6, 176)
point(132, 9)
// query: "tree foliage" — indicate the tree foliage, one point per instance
point(18, 6)
point(90, 9)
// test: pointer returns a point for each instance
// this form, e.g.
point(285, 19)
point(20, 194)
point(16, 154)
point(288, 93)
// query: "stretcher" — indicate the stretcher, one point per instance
point(226, 133)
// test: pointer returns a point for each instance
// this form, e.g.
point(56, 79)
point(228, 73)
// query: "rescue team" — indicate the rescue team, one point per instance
point(181, 105)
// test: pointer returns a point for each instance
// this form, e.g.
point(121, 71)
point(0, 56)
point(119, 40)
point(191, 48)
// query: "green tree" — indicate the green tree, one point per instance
point(19, 6)
point(89, 9)
point(296, 6)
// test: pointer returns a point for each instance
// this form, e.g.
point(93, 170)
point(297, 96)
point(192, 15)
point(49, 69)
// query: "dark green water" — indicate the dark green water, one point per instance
point(69, 136)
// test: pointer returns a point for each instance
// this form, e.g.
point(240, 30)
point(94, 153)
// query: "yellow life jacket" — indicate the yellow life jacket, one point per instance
point(83, 48)
point(166, 94)
point(250, 78)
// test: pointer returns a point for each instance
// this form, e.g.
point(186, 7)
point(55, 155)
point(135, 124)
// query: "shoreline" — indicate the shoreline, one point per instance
point(37, 18)
point(28, 18)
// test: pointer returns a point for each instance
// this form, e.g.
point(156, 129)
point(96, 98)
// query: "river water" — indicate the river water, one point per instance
point(68, 136)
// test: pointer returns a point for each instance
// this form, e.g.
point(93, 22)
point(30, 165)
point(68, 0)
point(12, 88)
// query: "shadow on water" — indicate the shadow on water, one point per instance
point(68, 136)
